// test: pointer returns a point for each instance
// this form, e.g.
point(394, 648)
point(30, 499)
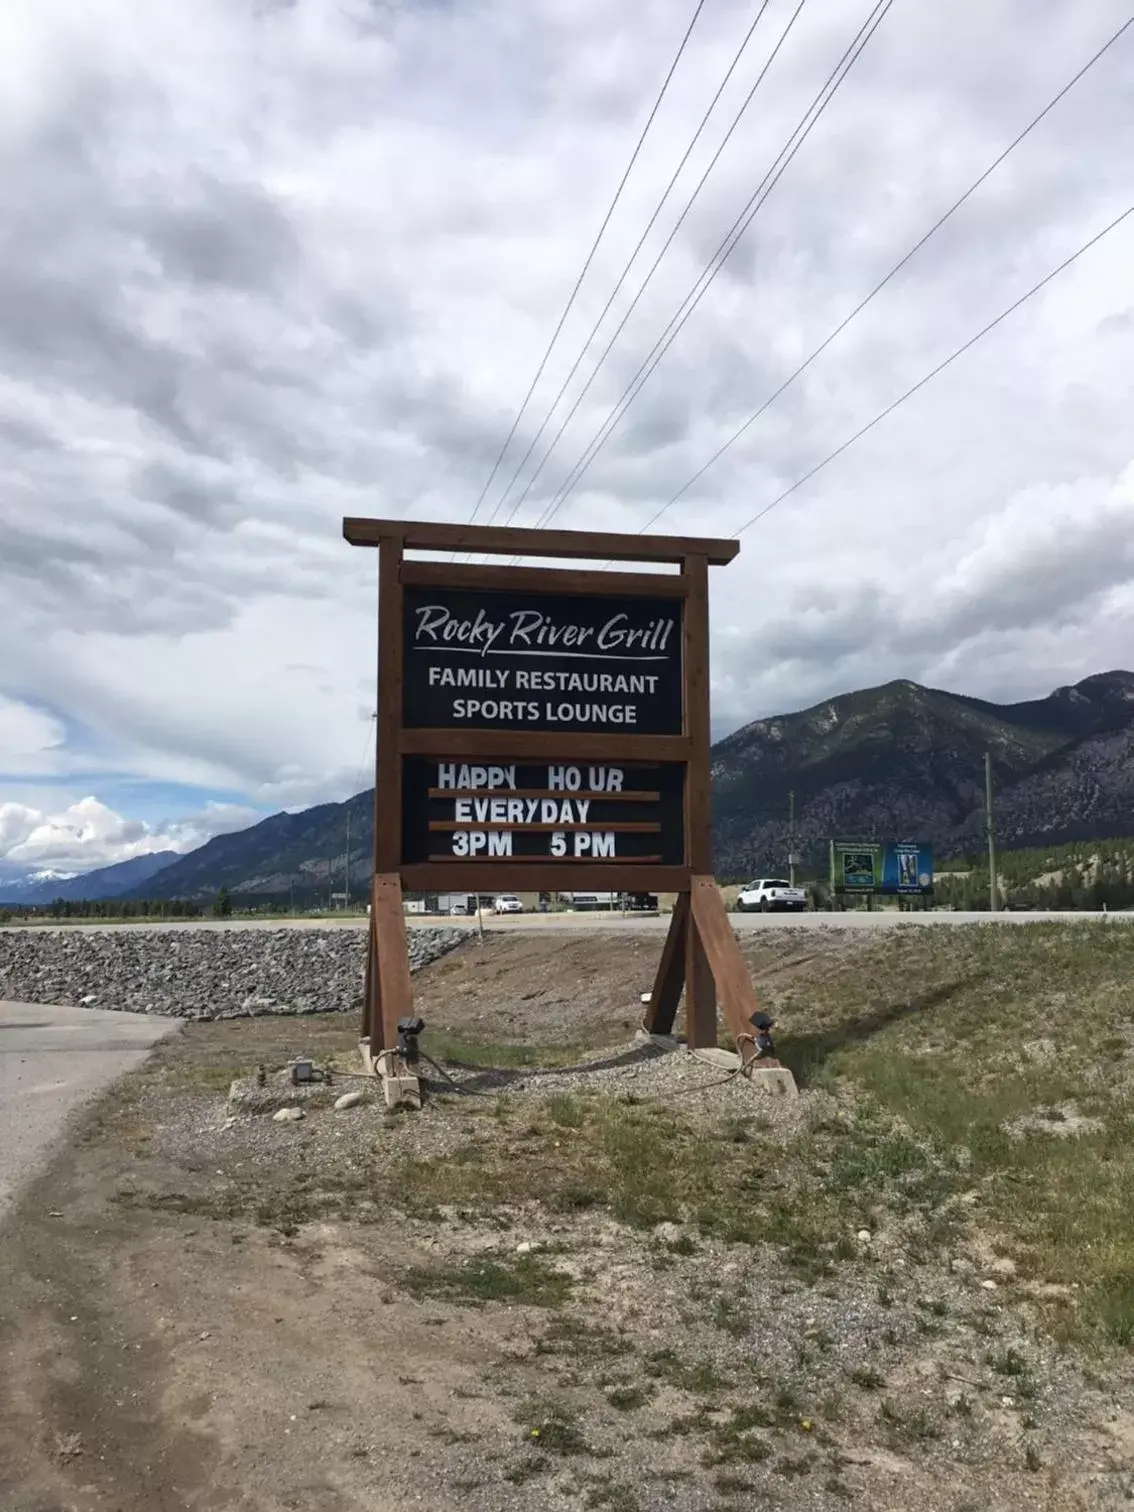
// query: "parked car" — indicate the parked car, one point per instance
point(508, 905)
point(640, 902)
point(769, 895)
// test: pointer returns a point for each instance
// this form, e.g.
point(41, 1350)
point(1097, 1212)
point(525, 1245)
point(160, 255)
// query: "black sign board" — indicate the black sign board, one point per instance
point(460, 810)
point(540, 662)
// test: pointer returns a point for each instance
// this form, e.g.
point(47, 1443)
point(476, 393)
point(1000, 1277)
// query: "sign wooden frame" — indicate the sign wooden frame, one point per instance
point(701, 957)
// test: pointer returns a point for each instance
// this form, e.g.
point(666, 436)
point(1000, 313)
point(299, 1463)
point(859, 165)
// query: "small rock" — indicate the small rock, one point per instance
point(960, 1266)
point(527, 1248)
point(989, 1286)
point(349, 1100)
point(1003, 1267)
point(288, 1115)
point(865, 1236)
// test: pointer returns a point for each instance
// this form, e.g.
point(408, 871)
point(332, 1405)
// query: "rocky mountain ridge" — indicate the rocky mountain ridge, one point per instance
point(899, 761)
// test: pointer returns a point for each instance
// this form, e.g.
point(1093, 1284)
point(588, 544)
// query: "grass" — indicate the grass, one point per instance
point(552, 1428)
point(961, 1052)
point(607, 1493)
point(577, 1340)
point(628, 1398)
point(695, 1377)
point(1008, 1362)
point(736, 1440)
point(925, 1037)
point(933, 1041)
point(919, 1426)
point(528, 1281)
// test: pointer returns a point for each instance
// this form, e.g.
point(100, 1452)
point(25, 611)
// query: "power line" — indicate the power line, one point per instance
point(894, 271)
point(633, 256)
point(815, 110)
point(940, 368)
point(590, 258)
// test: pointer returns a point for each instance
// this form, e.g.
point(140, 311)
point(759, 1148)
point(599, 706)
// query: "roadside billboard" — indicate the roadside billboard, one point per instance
point(886, 868)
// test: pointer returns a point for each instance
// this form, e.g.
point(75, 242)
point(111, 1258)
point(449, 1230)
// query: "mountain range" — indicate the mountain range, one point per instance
point(35, 888)
point(900, 761)
point(907, 762)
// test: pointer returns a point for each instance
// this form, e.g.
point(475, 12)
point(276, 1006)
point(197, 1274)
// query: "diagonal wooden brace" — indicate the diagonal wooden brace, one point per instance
point(670, 980)
point(726, 962)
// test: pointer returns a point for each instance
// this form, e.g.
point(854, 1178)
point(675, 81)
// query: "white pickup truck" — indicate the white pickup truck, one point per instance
point(769, 895)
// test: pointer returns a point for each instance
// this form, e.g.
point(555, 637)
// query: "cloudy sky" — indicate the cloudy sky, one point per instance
point(270, 262)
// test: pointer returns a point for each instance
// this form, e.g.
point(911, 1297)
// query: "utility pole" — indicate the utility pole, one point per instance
point(791, 837)
point(993, 889)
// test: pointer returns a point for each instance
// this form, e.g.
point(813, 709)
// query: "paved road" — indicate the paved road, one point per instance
point(52, 1061)
point(555, 923)
point(752, 923)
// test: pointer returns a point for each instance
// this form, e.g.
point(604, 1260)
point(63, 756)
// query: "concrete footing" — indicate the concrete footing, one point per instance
point(661, 1041)
point(776, 1081)
point(773, 1081)
point(400, 1089)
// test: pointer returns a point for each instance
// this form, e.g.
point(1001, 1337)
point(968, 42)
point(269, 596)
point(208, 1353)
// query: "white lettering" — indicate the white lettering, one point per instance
point(598, 846)
point(561, 779)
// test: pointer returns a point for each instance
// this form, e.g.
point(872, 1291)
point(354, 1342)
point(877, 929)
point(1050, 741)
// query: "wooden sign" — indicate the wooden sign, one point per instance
point(545, 729)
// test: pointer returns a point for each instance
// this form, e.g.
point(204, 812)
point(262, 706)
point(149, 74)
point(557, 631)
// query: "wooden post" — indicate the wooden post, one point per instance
point(700, 990)
point(370, 986)
point(394, 997)
point(698, 726)
point(389, 989)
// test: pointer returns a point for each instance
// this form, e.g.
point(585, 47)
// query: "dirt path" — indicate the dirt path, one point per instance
point(631, 1288)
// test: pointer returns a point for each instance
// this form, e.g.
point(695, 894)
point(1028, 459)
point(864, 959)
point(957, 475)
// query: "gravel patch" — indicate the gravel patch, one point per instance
point(201, 974)
point(634, 1072)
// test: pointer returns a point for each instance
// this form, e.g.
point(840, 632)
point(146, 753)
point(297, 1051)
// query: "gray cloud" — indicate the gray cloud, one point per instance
point(219, 233)
point(304, 262)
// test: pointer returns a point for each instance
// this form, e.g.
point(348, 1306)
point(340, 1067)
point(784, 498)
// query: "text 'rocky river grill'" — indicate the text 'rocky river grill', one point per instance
point(531, 632)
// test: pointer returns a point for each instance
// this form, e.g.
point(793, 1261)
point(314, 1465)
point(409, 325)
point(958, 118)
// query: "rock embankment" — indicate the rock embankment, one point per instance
point(199, 973)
